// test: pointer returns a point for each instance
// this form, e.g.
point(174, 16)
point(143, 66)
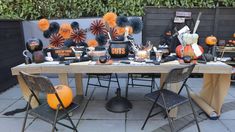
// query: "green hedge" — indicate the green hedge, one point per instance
point(53, 9)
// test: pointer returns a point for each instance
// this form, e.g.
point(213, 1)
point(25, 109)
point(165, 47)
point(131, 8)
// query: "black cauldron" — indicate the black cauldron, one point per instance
point(34, 44)
point(119, 49)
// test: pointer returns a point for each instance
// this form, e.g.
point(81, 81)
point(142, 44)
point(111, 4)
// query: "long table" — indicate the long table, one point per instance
point(216, 78)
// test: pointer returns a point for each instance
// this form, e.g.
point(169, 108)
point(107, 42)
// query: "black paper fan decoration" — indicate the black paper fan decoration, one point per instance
point(98, 27)
point(78, 35)
point(56, 40)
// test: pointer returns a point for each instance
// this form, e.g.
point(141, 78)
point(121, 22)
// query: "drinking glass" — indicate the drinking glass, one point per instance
point(158, 54)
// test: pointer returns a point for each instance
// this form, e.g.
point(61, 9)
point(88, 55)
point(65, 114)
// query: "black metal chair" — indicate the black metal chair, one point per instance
point(101, 77)
point(43, 111)
point(143, 79)
point(167, 99)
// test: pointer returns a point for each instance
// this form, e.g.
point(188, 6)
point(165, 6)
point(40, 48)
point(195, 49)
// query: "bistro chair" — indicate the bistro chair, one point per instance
point(43, 111)
point(167, 99)
point(105, 77)
point(145, 80)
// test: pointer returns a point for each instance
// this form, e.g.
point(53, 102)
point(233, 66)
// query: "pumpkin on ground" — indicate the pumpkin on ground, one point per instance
point(65, 93)
point(211, 40)
point(188, 51)
point(43, 24)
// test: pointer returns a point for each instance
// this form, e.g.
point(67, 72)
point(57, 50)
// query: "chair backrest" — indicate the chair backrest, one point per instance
point(38, 83)
point(179, 74)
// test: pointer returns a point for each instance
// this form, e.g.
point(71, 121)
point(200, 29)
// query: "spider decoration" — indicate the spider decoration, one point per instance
point(78, 35)
point(56, 40)
point(98, 27)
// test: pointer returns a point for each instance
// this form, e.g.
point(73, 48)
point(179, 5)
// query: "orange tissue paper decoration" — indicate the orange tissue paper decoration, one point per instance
point(43, 24)
point(110, 19)
point(92, 43)
point(120, 30)
point(66, 95)
point(130, 30)
point(65, 30)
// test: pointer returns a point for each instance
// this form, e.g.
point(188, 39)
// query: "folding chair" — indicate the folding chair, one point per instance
point(101, 77)
point(167, 99)
point(143, 79)
point(43, 111)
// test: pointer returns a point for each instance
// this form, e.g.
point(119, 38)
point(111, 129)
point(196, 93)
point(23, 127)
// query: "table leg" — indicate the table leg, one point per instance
point(173, 87)
point(79, 84)
point(63, 77)
point(26, 92)
point(214, 90)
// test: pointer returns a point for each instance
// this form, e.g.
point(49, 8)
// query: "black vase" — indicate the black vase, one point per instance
point(119, 49)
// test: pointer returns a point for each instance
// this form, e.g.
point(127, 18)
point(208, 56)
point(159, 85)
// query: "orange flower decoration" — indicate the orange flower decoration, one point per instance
point(120, 30)
point(43, 24)
point(110, 19)
point(92, 43)
point(130, 30)
point(65, 30)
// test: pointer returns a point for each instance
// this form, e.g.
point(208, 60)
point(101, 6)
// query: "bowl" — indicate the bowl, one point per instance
point(96, 54)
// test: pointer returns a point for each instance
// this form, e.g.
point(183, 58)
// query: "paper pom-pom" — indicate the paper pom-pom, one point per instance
point(92, 43)
point(136, 24)
point(122, 21)
point(56, 40)
point(120, 30)
point(98, 27)
point(130, 30)
point(43, 24)
point(78, 35)
point(110, 19)
point(75, 25)
point(47, 34)
point(101, 39)
point(54, 27)
point(69, 43)
point(65, 30)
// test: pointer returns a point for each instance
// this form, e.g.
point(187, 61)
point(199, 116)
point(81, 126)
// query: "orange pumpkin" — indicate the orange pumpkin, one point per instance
point(211, 40)
point(65, 93)
point(65, 30)
point(43, 24)
point(188, 51)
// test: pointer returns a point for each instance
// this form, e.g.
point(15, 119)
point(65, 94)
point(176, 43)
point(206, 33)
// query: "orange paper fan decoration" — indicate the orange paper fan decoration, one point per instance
point(43, 24)
point(65, 30)
point(78, 35)
point(56, 40)
point(92, 43)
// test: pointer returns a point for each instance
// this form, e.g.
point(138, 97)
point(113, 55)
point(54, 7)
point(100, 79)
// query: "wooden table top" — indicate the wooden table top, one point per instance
point(92, 67)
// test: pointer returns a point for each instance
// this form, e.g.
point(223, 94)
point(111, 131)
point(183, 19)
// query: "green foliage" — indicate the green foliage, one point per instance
point(54, 9)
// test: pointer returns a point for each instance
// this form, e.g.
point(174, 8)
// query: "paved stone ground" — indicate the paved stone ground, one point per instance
point(93, 117)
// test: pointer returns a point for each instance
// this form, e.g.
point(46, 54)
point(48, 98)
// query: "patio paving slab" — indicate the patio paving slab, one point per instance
point(12, 93)
point(4, 104)
point(12, 124)
point(101, 126)
point(96, 110)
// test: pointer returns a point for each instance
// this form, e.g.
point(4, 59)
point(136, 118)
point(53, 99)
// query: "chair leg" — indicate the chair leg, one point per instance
point(194, 113)
point(98, 78)
point(116, 76)
point(132, 81)
point(150, 112)
point(107, 94)
point(88, 81)
point(127, 85)
point(167, 113)
point(74, 127)
point(27, 112)
point(152, 84)
point(55, 120)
